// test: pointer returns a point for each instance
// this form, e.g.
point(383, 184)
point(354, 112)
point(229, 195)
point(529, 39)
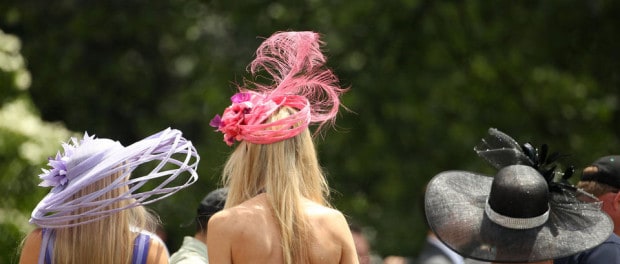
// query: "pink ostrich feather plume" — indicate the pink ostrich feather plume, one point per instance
point(299, 79)
point(297, 66)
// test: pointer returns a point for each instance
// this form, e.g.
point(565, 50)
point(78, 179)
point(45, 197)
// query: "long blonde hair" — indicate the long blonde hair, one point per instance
point(287, 171)
point(107, 240)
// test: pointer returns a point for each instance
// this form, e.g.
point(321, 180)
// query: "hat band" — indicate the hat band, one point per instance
point(515, 223)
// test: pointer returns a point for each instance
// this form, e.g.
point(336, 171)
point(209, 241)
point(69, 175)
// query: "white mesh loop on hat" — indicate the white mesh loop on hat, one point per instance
point(175, 158)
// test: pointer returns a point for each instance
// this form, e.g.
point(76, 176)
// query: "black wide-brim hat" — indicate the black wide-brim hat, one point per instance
point(455, 208)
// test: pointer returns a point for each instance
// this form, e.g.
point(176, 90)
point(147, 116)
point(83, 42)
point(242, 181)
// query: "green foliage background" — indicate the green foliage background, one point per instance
point(427, 79)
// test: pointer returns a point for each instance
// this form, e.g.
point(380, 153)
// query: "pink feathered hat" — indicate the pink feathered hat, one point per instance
point(300, 80)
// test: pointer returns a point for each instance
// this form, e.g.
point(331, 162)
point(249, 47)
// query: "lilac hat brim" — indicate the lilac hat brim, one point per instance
point(172, 160)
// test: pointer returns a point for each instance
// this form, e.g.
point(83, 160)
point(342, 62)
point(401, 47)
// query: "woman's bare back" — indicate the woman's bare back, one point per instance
point(248, 233)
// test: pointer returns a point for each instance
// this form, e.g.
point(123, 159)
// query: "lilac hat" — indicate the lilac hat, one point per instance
point(90, 159)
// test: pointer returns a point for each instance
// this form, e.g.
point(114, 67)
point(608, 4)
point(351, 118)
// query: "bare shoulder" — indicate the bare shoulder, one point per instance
point(332, 233)
point(238, 217)
point(31, 247)
point(330, 219)
point(325, 215)
point(241, 233)
point(158, 253)
point(245, 222)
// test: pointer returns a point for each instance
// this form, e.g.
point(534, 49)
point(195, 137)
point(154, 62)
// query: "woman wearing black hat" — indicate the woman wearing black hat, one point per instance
point(518, 216)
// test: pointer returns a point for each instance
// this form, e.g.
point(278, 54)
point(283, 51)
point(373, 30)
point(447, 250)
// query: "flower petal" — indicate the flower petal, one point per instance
point(216, 121)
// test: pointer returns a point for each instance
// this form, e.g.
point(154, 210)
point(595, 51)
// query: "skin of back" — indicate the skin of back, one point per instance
point(248, 234)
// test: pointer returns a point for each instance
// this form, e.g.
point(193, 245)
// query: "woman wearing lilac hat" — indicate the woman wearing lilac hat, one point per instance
point(277, 208)
point(94, 212)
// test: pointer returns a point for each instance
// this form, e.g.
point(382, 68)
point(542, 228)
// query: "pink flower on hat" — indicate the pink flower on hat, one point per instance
point(247, 109)
point(233, 117)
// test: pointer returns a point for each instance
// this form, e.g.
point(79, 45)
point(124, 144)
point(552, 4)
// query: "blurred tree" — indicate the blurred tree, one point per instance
point(427, 79)
point(25, 143)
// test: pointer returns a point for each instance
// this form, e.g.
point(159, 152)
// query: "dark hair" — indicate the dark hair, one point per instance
point(355, 228)
point(202, 222)
point(211, 204)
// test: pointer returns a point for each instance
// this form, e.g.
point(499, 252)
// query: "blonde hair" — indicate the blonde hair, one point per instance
point(287, 171)
point(107, 240)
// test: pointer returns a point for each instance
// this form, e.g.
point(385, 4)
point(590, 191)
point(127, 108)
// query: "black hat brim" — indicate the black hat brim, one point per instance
point(454, 206)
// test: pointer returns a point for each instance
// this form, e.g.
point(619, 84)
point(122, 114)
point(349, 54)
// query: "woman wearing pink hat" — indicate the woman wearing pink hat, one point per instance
point(277, 209)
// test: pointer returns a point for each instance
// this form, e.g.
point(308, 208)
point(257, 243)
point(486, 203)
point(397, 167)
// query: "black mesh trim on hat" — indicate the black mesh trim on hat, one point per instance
point(500, 150)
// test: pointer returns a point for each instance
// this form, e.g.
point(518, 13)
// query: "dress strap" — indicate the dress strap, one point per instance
point(47, 246)
point(141, 247)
